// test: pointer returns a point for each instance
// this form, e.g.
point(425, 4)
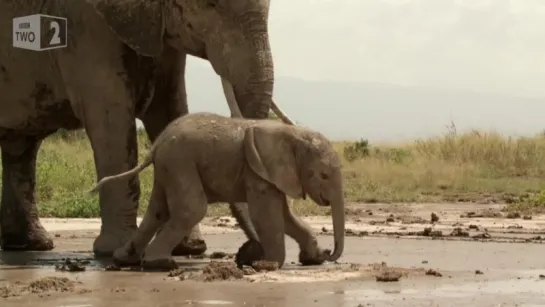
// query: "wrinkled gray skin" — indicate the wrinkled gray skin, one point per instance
point(124, 60)
point(204, 158)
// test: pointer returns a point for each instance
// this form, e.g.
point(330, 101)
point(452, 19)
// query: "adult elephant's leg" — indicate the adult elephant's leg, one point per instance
point(111, 127)
point(170, 102)
point(20, 226)
point(99, 87)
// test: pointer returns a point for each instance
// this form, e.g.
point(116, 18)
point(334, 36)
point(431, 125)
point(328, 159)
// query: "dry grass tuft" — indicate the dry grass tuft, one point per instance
point(475, 166)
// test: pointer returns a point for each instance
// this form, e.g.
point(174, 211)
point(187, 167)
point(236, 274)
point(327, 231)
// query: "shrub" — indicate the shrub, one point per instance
point(357, 150)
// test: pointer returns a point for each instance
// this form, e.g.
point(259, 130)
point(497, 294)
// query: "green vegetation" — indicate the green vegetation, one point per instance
point(474, 167)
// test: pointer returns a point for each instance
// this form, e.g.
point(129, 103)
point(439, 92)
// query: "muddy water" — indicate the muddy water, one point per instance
point(472, 273)
point(510, 278)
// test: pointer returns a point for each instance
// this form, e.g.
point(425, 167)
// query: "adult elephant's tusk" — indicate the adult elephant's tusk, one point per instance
point(281, 114)
point(229, 93)
point(230, 96)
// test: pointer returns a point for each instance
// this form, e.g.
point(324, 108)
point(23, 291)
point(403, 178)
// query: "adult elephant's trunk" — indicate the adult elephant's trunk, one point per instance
point(337, 214)
point(244, 60)
point(229, 93)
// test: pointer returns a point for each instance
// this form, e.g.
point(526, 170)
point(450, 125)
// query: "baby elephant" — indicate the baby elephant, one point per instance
point(204, 158)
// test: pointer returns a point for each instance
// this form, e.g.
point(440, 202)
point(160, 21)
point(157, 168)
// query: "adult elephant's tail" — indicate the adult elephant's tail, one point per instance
point(148, 160)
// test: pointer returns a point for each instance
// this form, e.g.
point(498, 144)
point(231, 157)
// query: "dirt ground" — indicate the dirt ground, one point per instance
point(395, 255)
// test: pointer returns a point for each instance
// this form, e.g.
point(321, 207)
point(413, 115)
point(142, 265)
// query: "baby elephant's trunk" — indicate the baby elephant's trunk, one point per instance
point(337, 214)
point(148, 160)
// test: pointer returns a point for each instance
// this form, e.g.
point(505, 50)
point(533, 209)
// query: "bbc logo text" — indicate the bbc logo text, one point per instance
point(40, 32)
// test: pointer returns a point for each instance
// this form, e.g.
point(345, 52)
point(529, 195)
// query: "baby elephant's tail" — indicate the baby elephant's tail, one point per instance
point(130, 173)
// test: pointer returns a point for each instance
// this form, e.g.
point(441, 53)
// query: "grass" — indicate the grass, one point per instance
point(474, 166)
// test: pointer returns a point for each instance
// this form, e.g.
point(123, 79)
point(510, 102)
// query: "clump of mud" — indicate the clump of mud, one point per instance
point(484, 235)
point(176, 272)
point(388, 275)
point(70, 265)
point(513, 215)
point(488, 213)
point(112, 267)
point(214, 255)
point(183, 274)
point(249, 271)
point(264, 265)
point(214, 271)
point(9, 290)
point(49, 284)
point(41, 285)
point(458, 232)
point(384, 273)
point(432, 272)
point(218, 255)
point(429, 232)
point(351, 232)
point(409, 219)
point(221, 271)
point(226, 222)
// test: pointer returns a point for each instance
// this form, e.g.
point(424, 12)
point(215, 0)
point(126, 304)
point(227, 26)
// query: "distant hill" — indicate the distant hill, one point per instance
point(347, 110)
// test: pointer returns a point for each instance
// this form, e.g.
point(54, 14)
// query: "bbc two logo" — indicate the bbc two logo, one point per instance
point(39, 32)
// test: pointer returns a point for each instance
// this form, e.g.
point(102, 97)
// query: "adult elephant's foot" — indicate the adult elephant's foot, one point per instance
point(33, 237)
point(20, 226)
point(249, 252)
point(109, 241)
point(193, 244)
point(314, 257)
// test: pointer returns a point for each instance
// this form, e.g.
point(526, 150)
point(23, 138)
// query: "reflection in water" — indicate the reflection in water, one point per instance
point(135, 288)
point(522, 287)
point(212, 302)
point(46, 259)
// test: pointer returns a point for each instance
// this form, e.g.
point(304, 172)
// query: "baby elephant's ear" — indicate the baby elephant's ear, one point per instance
point(270, 155)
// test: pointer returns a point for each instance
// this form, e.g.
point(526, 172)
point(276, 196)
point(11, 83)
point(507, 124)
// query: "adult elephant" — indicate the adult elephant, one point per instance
point(124, 60)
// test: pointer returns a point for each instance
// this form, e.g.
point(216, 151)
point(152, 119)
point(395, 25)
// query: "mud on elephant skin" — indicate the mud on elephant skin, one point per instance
point(203, 158)
point(121, 48)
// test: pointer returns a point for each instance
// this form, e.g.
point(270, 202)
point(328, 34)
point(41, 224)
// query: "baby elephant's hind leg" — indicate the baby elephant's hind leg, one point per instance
point(156, 215)
point(187, 205)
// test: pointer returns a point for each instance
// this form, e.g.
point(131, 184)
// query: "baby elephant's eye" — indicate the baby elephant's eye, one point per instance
point(324, 176)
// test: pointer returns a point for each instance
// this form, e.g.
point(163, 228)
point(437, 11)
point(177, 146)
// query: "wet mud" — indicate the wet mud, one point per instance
point(39, 286)
point(448, 254)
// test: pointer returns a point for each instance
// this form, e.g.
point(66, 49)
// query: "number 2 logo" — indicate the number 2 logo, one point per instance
point(56, 39)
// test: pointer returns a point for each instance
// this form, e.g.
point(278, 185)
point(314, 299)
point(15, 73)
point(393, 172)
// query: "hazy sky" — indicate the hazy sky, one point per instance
point(491, 46)
point(484, 45)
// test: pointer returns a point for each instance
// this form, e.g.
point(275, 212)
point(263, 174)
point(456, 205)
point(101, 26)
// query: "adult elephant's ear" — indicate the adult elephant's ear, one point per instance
point(138, 23)
point(269, 154)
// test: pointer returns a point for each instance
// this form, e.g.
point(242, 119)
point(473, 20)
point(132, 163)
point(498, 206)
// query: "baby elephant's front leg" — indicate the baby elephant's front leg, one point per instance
point(310, 252)
point(265, 206)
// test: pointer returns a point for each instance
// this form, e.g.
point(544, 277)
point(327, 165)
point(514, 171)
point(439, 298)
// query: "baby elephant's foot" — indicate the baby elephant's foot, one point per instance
point(126, 255)
point(159, 264)
point(249, 252)
point(315, 257)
